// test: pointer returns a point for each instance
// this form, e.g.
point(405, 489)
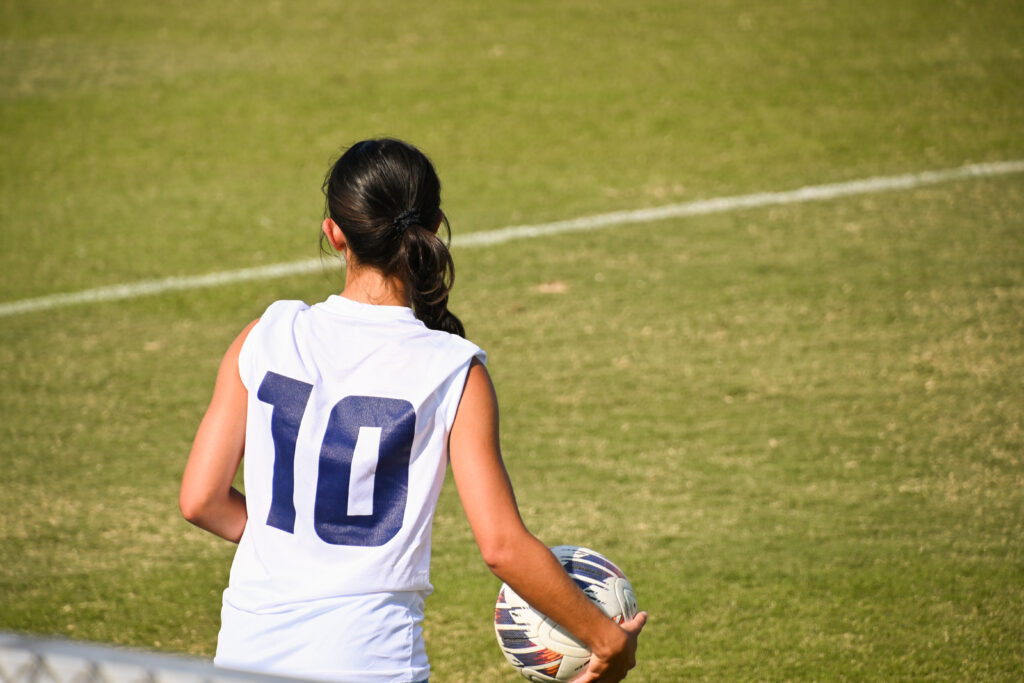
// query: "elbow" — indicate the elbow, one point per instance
point(193, 506)
point(501, 555)
point(495, 558)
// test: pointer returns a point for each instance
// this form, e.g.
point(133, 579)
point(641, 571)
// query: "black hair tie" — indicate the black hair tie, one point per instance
point(404, 220)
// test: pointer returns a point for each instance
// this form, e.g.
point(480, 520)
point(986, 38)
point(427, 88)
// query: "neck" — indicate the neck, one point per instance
point(370, 286)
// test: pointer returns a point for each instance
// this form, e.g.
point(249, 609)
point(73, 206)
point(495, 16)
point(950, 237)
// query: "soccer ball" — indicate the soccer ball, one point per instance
point(540, 649)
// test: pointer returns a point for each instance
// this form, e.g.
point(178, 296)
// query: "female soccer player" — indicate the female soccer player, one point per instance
point(345, 412)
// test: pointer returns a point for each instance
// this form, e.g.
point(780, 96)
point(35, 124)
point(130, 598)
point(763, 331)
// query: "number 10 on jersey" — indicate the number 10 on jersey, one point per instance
point(363, 477)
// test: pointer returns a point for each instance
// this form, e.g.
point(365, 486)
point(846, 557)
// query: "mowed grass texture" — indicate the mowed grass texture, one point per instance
point(143, 140)
point(797, 429)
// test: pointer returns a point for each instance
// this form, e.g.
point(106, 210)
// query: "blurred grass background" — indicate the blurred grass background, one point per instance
point(798, 429)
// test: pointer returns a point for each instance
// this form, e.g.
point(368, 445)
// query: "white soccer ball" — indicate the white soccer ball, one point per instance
point(540, 649)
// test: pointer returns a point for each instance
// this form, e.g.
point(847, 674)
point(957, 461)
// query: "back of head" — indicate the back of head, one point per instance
point(386, 198)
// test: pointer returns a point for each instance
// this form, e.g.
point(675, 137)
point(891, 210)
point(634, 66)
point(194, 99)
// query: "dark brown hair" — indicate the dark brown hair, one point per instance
point(386, 198)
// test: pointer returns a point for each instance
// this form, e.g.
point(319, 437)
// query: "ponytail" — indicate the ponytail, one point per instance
point(425, 264)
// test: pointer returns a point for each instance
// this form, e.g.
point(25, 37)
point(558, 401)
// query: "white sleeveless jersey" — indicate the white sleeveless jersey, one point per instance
point(350, 406)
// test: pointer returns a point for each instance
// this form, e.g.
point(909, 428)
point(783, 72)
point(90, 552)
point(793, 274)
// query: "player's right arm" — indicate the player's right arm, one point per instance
point(207, 497)
point(514, 554)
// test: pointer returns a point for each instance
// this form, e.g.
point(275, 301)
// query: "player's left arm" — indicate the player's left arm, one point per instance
point(514, 554)
point(207, 497)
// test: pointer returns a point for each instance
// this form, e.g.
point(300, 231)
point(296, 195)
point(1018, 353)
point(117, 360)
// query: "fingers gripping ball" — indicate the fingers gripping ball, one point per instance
point(540, 649)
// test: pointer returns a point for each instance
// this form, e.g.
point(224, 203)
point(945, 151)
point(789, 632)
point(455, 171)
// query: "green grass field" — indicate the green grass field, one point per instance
point(797, 428)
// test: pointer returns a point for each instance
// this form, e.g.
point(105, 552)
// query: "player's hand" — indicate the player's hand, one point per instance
point(614, 667)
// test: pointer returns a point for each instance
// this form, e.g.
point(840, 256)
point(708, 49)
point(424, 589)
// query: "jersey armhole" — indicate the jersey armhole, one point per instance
point(273, 313)
point(245, 356)
point(458, 385)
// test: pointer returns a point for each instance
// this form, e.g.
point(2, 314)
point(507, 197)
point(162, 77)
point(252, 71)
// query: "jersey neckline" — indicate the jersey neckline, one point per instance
point(338, 304)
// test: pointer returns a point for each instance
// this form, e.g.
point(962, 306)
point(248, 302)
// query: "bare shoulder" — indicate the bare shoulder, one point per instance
point(478, 407)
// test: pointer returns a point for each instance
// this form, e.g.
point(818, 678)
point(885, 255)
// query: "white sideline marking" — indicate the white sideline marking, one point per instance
point(516, 232)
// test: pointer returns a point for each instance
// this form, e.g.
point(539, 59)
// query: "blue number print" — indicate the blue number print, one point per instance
point(289, 397)
point(363, 477)
point(335, 519)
